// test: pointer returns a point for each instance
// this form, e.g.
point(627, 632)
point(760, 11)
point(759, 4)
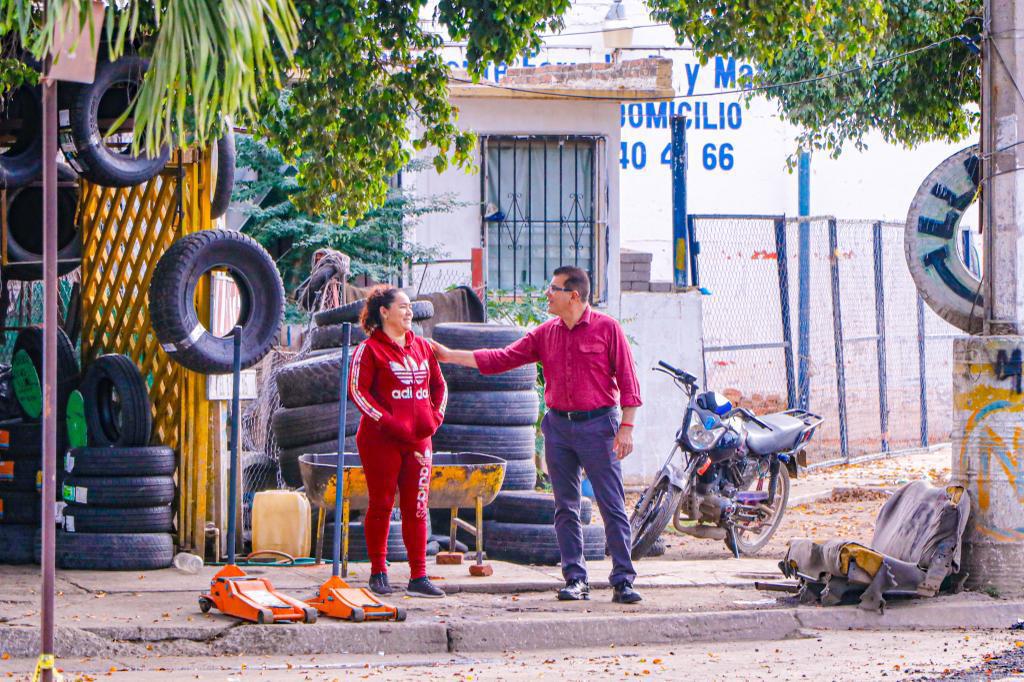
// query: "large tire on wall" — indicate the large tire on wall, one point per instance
point(117, 407)
point(156, 460)
point(494, 408)
point(461, 378)
point(931, 237)
point(223, 166)
point(92, 109)
point(25, 230)
point(119, 491)
point(30, 342)
point(21, 117)
point(17, 544)
point(357, 542)
point(172, 300)
point(310, 381)
point(111, 551)
point(289, 459)
point(330, 336)
point(294, 426)
point(85, 519)
point(20, 474)
point(24, 439)
point(19, 507)
point(520, 474)
point(530, 507)
point(473, 336)
point(524, 543)
point(507, 442)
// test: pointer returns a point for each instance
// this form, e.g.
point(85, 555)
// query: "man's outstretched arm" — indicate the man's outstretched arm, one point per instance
point(456, 357)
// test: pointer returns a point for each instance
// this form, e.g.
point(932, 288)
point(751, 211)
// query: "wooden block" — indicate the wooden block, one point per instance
point(449, 558)
point(481, 570)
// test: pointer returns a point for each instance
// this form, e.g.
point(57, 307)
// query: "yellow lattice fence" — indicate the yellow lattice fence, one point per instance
point(125, 231)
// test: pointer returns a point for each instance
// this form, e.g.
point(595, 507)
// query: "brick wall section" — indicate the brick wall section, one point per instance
point(634, 73)
point(635, 273)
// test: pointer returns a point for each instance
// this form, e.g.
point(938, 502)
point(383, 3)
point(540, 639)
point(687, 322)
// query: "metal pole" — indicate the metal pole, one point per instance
point(339, 479)
point(804, 279)
point(50, 298)
point(922, 369)
point(680, 242)
point(883, 391)
point(782, 261)
point(837, 328)
point(236, 430)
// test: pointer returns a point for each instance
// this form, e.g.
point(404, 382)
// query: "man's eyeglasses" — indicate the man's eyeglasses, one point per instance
point(553, 288)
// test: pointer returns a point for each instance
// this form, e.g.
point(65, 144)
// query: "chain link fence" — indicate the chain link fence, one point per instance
point(822, 314)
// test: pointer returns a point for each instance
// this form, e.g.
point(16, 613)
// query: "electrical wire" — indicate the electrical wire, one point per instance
point(759, 88)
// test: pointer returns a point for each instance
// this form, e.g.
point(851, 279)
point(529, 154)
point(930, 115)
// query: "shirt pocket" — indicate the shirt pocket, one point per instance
point(593, 360)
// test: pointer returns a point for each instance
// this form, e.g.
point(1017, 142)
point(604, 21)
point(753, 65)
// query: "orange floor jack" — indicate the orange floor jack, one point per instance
point(233, 592)
point(337, 598)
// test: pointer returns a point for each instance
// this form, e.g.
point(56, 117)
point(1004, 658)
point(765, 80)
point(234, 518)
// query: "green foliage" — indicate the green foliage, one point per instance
point(528, 307)
point(376, 243)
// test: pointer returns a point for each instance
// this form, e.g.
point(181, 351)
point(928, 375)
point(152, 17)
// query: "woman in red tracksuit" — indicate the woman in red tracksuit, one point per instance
point(397, 385)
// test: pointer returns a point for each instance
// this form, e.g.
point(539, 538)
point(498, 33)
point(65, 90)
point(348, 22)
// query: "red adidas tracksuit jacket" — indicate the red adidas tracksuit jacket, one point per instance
point(402, 395)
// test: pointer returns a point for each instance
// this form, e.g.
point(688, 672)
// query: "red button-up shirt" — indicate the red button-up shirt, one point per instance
point(586, 367)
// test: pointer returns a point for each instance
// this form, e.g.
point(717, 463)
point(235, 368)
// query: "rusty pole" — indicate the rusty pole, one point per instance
point(50, 296)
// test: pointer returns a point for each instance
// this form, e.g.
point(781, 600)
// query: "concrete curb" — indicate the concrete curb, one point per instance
point(519, 634)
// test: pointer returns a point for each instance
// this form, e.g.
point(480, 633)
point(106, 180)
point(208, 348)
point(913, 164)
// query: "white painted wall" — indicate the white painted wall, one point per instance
point(662, 327)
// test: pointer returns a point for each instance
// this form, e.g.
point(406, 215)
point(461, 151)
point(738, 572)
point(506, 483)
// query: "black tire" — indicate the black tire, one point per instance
point(330, 336)
point(25, 230)
point(21, 474)
point(525, 543)
point(657, 549)
point(530, 507)
point(422, 310)
point(310, 381)
point(22, 161)
point(294, 426)
point(477, 310)
point(651, 516)
point(117, 407)
point(347, 312)
point(85, 519)
point(156, 460)
point(17, 544)
point(473, 335)
point(30, 340)
point(24, 439)
point(520, 474)
point(112, 551)
point(470, 379)
point(223, 167)
point(106, 98)
point(357, 542)
point(493, 408)
point(119, 491)
point(172, 306)
point(289, 459)
point(507, 442)
point(17, 507)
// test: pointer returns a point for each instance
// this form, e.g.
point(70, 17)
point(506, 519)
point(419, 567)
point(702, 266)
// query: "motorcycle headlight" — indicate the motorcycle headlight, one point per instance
point(699, 437)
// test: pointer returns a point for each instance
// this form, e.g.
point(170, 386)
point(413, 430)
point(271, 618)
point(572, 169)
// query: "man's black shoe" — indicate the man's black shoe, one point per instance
point(422, 587)
point(379, 584)
point(574, 590)
point(625, 594)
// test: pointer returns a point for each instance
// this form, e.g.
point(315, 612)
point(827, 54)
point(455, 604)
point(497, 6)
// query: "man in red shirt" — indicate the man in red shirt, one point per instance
point(588, 373)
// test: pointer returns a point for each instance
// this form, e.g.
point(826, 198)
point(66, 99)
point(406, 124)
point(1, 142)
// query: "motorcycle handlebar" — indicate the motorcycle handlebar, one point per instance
point(682, 374)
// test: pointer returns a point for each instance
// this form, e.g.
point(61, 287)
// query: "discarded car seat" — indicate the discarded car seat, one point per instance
point(915, 551)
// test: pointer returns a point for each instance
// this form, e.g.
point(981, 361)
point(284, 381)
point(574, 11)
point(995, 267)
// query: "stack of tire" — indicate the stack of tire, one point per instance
point(21, 443)
point(118, 489)
point(327, 332)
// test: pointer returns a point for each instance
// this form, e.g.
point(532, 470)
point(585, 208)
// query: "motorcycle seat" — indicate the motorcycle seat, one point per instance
point(784, 435)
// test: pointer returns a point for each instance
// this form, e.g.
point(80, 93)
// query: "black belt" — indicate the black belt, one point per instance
point(577, 416)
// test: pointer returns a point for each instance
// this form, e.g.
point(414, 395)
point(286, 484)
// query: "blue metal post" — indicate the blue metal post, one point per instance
point(236, 431)
point(883, 389)
point(680, 240)
point(922, 368)
point(804, 279)
point(782, 259)
point(837, 328)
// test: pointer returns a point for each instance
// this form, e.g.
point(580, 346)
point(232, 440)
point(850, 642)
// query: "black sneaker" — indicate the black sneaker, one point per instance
point(625, 594)
point(379, 584)
point(422, 587)
point(575, 590)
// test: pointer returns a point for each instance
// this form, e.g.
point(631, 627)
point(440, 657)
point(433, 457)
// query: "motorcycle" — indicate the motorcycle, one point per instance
point(727, 477)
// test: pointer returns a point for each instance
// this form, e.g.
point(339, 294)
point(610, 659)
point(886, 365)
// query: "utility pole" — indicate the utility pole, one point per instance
point(988, 404)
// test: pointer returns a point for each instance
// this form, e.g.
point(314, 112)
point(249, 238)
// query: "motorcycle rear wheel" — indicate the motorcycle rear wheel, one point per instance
point(749, 544)
point(651, 516)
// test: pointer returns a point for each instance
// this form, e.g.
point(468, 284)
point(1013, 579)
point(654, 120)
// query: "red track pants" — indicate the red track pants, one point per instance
point(391, 468)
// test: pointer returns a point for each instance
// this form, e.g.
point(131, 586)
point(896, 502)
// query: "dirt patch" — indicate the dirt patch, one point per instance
point(859, 495)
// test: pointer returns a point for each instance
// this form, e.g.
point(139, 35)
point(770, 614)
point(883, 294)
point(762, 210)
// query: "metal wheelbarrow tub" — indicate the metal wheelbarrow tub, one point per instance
point(458, 480)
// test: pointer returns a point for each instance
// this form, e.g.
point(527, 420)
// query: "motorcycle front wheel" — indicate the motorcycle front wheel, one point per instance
point(651, 516)
point(753, 538)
